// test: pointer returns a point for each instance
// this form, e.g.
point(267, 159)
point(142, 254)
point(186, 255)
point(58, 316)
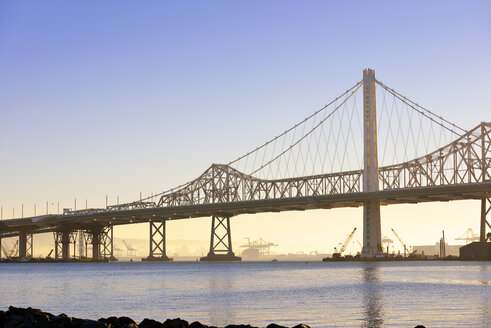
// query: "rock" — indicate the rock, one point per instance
point(43, 321)
point(112, 322)
point(420, 326)
point(273, 325)
point(239, 326)
point(86, 323)
point(175, 323)
point(301, 326)
point(127, 322)
point(62, 321)
point(13, 320)
point(150, 323)
point(197, 324)
point(121, 322)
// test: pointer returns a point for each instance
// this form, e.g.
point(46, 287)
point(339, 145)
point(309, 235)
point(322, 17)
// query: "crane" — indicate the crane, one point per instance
point(261, 245)
point(345, 244)
point(117, 250)
point(130, 251)
point(469, 236)
point(400, 240)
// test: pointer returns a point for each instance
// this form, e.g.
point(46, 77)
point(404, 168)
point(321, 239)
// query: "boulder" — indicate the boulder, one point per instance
point(127, 322)
point(150, 323)
point(121, 322)
point(12, 320)
point(273, 325)
point(86, 323)
point(62, 321)
point(197, 324)
point(239, 326)
point(301, 326)
point(175, 323)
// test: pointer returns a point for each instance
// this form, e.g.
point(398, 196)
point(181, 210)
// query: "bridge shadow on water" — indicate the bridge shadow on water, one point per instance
point(373, 300)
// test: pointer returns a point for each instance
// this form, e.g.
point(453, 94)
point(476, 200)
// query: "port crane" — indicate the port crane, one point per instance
point(260, 244)
point(402, 243)
point(345, 244)
point(469, 236)
point(117, 250)
point(130, 251)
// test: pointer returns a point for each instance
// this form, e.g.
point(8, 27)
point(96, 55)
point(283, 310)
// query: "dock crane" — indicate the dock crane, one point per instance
point(130, 250)
point(400, 240)
point(345, 244)
point(469, 236)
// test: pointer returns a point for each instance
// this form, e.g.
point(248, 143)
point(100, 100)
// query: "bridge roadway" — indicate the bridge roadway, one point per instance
point(46, 223)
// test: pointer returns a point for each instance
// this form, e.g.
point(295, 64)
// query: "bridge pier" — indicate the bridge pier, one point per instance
point(221, 249)
point(372, 235)
point(63, 238)
point(102, 243)
point(485, 209)
point(25, 245)
point(96, 242)
point(158, 249)
point(106, 239)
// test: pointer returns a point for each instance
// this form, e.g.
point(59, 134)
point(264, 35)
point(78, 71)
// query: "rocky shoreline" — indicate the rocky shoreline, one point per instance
point(35, 318)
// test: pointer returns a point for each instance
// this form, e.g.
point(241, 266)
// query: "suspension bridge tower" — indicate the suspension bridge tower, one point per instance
point(372, 236)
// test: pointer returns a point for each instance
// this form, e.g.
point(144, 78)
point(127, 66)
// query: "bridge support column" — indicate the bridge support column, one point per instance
point(158, 249)
point(96, 243)
point(102, 243)
point(106, 239)
point(25, 245)
point(372, 236)
point(221, 248)
point(22, 245)
point(485, 209)
point(62, 244)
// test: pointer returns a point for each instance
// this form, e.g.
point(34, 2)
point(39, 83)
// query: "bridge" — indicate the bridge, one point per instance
point(330, 159)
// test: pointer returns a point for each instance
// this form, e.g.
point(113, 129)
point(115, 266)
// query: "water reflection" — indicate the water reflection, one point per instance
point(372, 298)
point(220, 305)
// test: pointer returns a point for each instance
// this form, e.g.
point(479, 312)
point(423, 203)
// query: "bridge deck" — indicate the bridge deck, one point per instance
point(45, 223)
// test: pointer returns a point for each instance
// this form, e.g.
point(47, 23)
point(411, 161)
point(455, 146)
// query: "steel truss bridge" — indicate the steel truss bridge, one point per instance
point(455, 170)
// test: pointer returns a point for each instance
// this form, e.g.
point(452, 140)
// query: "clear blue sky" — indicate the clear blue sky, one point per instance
point(118, 97)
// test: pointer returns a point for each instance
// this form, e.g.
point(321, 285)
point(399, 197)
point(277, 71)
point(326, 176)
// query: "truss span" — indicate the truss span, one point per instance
point(466, 160)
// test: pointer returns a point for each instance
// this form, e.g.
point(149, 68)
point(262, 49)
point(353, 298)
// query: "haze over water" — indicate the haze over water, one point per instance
point(436, 294)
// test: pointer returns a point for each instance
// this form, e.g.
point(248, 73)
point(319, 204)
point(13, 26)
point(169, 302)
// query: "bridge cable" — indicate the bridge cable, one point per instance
point(310, 131)
point(293, 127)
point(422, 110)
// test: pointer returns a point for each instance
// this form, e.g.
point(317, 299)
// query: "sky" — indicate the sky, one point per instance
point(117, 97)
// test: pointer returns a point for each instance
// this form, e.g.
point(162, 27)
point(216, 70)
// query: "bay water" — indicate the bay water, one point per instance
point(333, 294)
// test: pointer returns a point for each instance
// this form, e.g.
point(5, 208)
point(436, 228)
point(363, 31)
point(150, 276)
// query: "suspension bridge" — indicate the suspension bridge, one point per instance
point(352, 152)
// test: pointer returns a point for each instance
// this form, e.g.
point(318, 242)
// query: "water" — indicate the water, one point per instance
point(436, 294)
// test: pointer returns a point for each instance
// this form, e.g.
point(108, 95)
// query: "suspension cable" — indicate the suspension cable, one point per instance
point(425, 112)
point(359, 84)
point(296, 125)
